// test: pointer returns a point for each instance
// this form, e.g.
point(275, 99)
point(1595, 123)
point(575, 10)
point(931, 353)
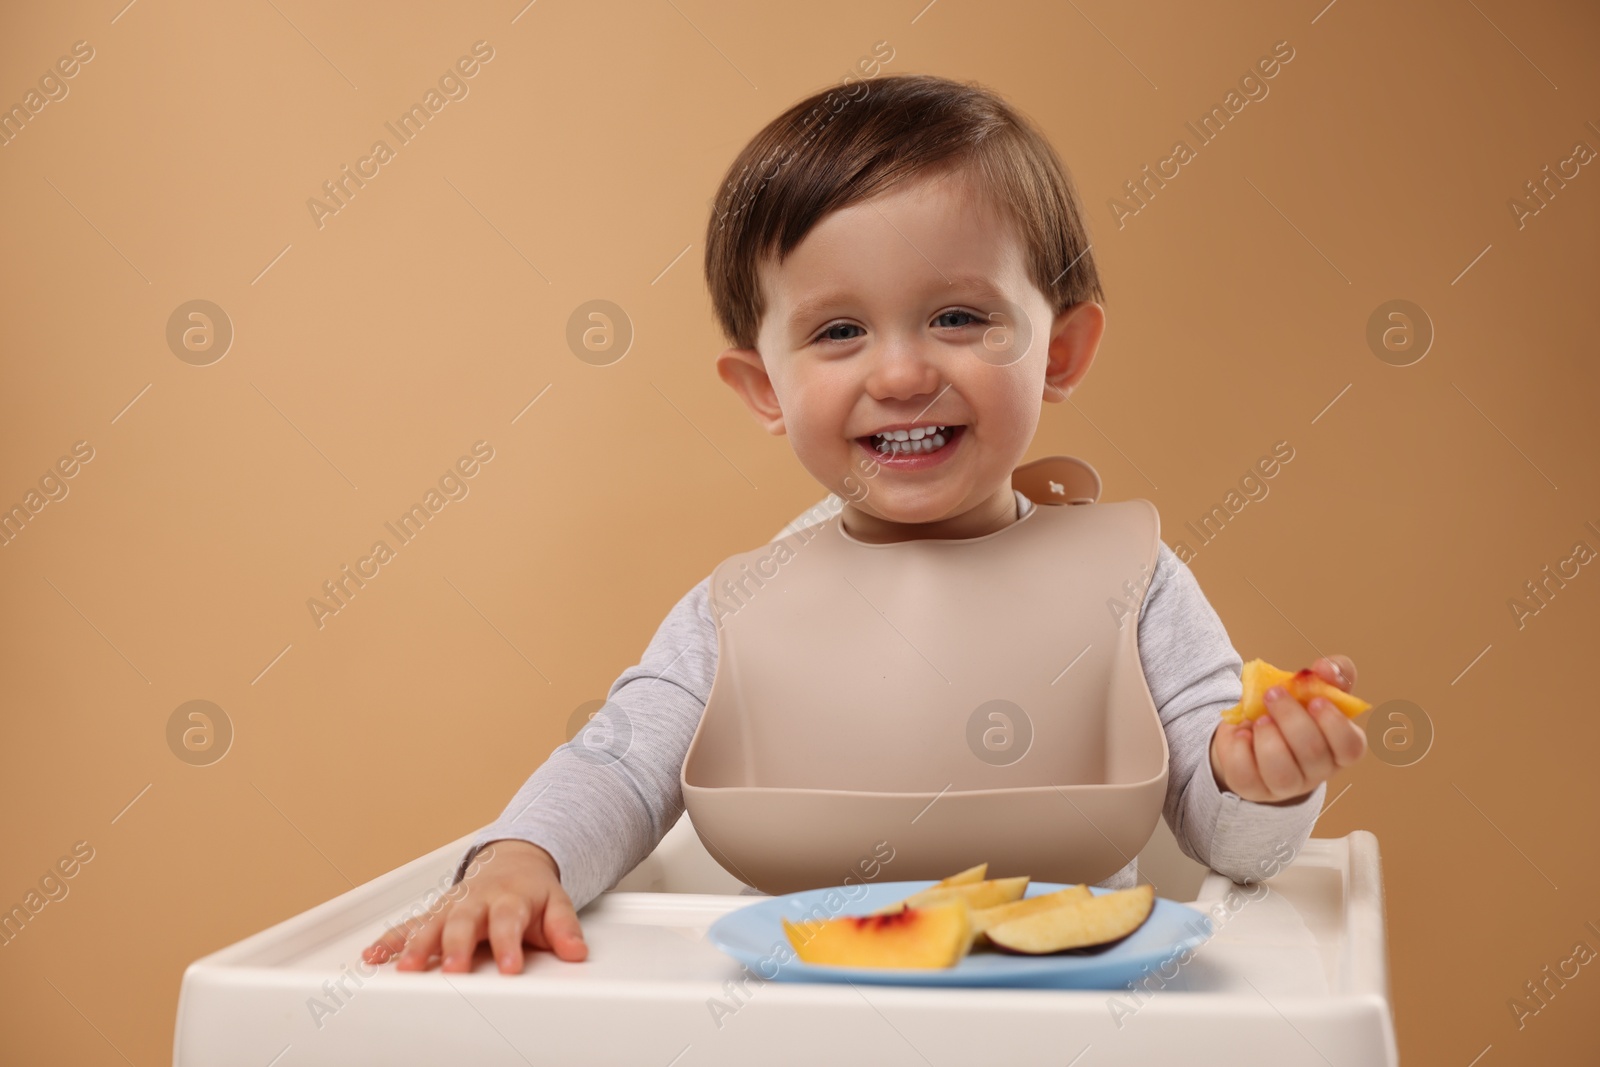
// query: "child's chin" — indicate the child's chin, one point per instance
point(910, 512)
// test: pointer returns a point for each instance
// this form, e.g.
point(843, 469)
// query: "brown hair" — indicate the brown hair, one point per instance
point(837, 148)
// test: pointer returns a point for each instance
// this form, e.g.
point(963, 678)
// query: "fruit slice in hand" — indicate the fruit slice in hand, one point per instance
point(1258, 676)
point(977, 895)
point(938, 935)
point(1099, 920)
point(984, 918)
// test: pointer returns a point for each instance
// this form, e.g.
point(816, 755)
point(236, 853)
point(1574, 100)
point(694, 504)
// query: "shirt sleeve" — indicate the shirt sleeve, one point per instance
point(604, 800)
point(1193, 673)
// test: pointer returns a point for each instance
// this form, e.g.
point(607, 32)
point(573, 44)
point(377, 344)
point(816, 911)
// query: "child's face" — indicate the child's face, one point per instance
point(913, 309)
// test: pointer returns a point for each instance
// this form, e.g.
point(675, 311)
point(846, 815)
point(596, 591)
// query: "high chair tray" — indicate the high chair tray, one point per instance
point(1294, 974)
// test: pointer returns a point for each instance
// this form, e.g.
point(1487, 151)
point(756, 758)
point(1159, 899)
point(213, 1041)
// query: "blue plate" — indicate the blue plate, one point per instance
point(754, 936)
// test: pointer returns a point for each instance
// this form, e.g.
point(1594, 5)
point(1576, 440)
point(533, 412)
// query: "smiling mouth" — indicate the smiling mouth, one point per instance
point(927, 440)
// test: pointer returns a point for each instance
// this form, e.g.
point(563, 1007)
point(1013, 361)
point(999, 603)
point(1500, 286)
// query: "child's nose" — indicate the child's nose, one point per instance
point(903, 369)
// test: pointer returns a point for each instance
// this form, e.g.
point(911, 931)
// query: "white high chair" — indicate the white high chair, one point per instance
point(1295, 974)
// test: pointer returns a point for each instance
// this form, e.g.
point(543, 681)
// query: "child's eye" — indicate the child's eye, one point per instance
point(826, 330)
point(828, 335)
point(957, 311)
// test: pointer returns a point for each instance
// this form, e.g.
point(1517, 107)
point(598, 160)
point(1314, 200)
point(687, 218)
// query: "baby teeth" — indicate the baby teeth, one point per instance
point(914, 434)
point(910, 447)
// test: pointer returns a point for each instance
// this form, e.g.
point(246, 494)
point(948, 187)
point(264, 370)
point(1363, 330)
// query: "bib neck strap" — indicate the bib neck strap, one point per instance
point(1058, 480)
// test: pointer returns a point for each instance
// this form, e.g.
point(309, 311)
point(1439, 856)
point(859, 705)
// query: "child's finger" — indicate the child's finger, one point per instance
point(1239, 762)
point(422, 945)
point(533, 933)
point(391, 942)
point(1336, 670)
point(561, 928)
point(508, 919)
point(1274, 762)
point(1302, 734)
point(466, 926)
point(1346, 740)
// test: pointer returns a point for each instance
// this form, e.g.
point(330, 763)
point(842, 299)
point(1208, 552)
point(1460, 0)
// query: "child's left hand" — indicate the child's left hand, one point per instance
point(1284, 755)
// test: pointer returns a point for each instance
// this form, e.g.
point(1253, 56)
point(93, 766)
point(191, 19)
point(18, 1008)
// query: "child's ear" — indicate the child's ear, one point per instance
point(1074, 338)
point(746, 374)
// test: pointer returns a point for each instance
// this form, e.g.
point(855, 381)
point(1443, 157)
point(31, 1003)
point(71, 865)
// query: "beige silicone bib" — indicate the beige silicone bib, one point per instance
point(954, 701)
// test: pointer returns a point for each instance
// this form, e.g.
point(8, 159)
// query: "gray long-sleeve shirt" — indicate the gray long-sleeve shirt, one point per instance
point(601, 802)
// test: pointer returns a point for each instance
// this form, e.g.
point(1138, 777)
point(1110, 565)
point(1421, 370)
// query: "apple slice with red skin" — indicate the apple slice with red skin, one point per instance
point(1100, 920)
point(967, 877)
point(985, 894)
point(983, 918)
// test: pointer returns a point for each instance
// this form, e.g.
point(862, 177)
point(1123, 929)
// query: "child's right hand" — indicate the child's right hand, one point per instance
point(512, 893)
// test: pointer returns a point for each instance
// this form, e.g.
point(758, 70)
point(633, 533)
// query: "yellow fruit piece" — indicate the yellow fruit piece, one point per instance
point(1258, 676)
point(977, 895)
point(937, 935)
point(984, 918)
point(966, 877)
point(1099, 920)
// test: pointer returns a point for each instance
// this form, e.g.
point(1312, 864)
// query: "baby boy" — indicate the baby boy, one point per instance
point(904, 276)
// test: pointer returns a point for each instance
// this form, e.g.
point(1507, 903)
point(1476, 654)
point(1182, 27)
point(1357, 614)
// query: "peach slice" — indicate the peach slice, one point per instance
point(1258, 676)
point(985, 894)
point(984, 918)
point(937, 935)
point(966, 877)
point(1100, 920)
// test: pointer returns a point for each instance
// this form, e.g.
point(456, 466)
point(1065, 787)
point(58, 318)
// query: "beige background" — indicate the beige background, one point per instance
point(432, 309)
